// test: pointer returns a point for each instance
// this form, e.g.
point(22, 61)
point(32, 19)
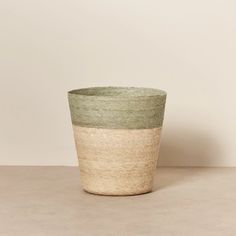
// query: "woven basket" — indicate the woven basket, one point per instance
point(117, 134)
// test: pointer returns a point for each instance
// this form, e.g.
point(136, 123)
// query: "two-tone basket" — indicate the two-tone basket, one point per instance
point(117, 133)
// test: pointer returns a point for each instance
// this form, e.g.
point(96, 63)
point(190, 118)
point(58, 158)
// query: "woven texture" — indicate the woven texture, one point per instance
point(117, 133)
point(117, 108)
point(115, 161)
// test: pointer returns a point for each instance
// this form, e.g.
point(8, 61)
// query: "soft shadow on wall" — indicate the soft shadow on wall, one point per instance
point(185, 148)
point(189, 147)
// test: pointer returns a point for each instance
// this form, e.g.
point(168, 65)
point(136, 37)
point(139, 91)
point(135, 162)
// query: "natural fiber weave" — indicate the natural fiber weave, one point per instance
point(117, 107)
point(117, 132)
point(117, 161)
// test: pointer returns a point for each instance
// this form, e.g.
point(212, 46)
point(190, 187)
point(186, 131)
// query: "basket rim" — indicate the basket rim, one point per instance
point(117, 92)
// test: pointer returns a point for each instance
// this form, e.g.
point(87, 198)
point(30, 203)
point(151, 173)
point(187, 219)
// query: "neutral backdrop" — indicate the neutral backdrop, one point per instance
point(187, 48)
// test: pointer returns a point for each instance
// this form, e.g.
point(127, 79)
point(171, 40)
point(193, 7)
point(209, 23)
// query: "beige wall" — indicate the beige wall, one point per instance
point(184, 47)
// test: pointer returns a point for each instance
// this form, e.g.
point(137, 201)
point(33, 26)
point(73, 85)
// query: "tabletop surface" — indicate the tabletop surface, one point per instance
point(48, 201)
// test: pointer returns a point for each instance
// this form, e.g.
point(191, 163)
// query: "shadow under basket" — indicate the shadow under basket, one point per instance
point(117, 133)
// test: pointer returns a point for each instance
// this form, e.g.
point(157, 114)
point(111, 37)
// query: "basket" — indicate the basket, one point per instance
point(117, 133)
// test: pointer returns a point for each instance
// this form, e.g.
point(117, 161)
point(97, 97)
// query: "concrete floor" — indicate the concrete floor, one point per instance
point(48, 201)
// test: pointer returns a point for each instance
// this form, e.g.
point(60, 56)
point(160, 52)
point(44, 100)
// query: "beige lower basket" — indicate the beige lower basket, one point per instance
point(117, 162)
point(117, 148)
